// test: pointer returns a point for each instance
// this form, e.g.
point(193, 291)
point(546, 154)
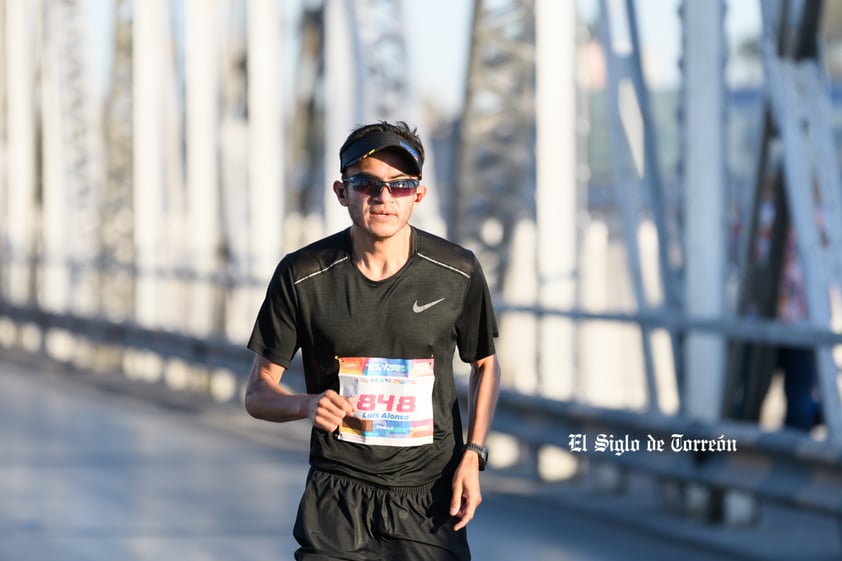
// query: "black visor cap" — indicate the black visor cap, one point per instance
point(376, 142)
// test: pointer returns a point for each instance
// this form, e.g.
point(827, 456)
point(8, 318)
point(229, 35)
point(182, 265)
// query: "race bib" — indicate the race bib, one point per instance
point(394, 400)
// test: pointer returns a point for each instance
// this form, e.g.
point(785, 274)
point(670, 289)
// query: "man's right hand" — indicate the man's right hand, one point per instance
point(328, 409)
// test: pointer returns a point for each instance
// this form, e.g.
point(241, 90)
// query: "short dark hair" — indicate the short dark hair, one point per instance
point(399, 128)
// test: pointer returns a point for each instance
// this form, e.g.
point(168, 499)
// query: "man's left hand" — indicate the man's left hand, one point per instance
point(466, 491)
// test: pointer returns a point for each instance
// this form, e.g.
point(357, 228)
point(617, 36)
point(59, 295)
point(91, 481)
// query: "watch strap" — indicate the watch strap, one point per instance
point(480, 451)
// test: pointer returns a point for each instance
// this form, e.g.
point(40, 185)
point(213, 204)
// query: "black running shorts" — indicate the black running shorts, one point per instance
point(344, 518)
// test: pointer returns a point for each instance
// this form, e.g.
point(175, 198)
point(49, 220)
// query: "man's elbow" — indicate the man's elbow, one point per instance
point(488, 366)
point(252, 401)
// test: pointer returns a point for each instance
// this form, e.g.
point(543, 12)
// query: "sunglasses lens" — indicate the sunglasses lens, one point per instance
point(404, 184)
point(368, 186)
point(403, 187)
point(362, 184)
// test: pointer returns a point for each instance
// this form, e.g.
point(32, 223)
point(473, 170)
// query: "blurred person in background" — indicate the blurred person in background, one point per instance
point(798, 364)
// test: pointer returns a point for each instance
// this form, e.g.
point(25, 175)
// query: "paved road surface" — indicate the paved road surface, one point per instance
point(91, 472)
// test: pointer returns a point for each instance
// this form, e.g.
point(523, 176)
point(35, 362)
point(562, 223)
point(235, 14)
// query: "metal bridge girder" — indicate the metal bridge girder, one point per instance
point(798, 119)
point(495, 182)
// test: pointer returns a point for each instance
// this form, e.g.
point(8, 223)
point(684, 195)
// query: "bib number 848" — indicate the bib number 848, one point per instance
point(370, 402)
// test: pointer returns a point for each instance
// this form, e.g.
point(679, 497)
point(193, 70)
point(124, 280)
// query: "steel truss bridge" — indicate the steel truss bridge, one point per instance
point(139, 227)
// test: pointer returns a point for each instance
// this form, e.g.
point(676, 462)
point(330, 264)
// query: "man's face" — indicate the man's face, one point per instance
point(382, 215)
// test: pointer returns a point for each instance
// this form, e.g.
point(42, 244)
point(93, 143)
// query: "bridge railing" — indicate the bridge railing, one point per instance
point(782, 466)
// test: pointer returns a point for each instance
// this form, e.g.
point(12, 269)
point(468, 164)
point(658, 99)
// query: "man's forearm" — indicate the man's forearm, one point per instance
point(265, 397)
point(482, 398)
point(277, 407)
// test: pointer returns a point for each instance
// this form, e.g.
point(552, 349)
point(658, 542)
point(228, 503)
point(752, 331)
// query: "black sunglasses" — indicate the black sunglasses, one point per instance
point(371, 186)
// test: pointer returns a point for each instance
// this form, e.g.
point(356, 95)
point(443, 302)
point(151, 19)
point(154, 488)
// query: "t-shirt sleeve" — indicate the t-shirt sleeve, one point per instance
point(477, 326)
point(275, 332)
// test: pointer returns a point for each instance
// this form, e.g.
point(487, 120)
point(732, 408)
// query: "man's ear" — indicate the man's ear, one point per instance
point(420, 193)
point(341, 192)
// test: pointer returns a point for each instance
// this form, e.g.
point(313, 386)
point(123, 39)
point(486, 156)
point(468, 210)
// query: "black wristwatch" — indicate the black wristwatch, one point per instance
point(481, 451)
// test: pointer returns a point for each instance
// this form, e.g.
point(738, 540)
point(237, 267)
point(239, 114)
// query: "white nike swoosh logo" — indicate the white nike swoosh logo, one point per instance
point(418, 309)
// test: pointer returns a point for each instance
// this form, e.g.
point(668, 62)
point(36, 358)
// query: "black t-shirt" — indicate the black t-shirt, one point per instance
point(319, 302)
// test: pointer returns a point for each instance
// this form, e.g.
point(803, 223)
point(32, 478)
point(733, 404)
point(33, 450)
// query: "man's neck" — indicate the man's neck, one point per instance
point(379, 259)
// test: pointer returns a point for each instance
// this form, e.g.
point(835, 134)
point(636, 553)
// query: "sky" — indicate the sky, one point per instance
point(438, 39)
point(439, 43)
